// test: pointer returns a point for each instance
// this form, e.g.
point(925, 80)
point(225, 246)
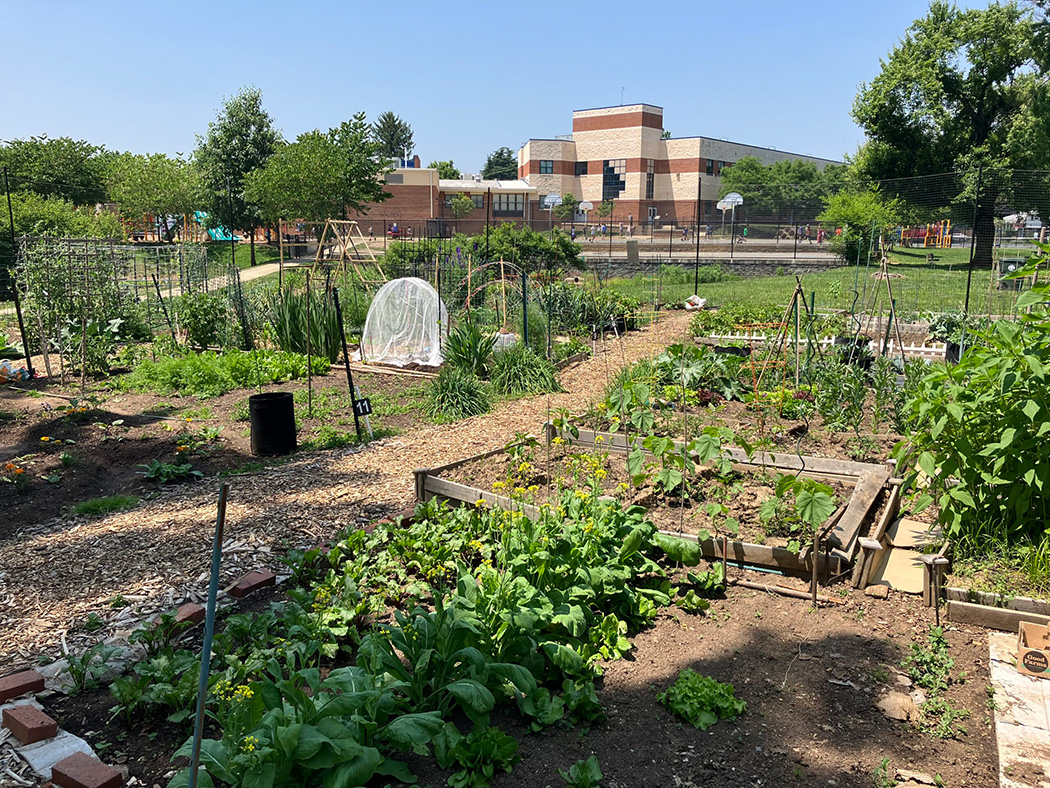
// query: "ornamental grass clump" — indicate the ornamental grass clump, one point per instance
point(518, 370)
point(456, 394)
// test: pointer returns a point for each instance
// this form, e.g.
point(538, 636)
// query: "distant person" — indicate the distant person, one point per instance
point(594, 230)
point(806, 235)
point(371, 235)
point(393, 229)
point(708, 234)
point(603, 229)
point(685, 233)
point(621, 228)
point(572, 234)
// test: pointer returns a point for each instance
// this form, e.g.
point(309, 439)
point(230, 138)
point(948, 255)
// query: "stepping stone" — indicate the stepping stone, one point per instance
point(913, 534)
point(19, 684)
point(85, 771)
point(901, 570)
point(29, 724)
point(42, 755)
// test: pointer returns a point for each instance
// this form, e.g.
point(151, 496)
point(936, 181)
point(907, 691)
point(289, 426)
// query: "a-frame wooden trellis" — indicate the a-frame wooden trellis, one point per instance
point(342, 243)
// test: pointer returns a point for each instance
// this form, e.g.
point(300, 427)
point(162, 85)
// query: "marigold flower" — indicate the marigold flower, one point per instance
point(45, 439)
point(19, 471)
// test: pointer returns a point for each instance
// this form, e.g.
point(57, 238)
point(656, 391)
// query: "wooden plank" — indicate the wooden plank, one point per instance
point(991, 617)
point(862, 571)
point(448, 466)
point(1022, 604)
point(462, 493)
point(745, 553)
point(844, 537)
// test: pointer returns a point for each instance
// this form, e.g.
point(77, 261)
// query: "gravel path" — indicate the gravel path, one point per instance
point(55, 574)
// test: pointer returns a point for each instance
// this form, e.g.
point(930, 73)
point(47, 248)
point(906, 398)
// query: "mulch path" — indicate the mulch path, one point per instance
point(54, 572)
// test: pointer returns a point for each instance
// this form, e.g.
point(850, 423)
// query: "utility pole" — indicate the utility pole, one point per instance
point(696, 230)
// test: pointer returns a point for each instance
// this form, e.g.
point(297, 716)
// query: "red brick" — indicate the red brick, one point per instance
point(19, 684)
point(252, 581)
point(28, 724)
point(80, 770)
point(190, 612)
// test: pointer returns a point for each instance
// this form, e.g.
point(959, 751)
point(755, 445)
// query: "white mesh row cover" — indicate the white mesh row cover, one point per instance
point(404, 325)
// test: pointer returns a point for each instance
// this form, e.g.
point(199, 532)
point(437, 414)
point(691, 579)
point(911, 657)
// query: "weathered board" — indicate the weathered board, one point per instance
point(991, 617)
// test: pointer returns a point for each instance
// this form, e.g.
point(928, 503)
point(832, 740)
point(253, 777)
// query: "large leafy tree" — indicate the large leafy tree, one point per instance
point(446, 170)
point(501, 165)
point(238, 142)
point(74, 170)
point(393, 135)
point(960, 90)
point(791, 188)
point(153, 185)
point(322, 175)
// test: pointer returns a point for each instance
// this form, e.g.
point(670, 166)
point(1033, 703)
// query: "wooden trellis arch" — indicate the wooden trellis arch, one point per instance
point(343, 246)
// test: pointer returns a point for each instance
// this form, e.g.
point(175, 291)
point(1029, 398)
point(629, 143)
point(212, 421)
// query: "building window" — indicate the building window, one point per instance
point(650, 178)
point(546, 166)
point(721, 166)
point(581, 168)
point(710, 167)
point(613, 180)
point(479, 200)
point(508, 204)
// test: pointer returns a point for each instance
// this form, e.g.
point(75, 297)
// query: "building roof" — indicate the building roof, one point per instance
point(449, 185)
point(622, 106)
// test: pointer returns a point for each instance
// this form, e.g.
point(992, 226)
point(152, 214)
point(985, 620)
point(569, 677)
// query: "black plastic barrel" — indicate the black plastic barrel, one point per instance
point(273, 422)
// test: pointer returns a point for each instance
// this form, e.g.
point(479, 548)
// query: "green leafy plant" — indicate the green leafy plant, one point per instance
point(478, 755)
point(456, 394)
point(939, 717)
point(929, 664)
point(87, 669)
point(701, 700)
point(518, 370)
point(203, 316)
point(164, 472)
point(813, 503)
point(469, 350)
point(881, 777)
point(583, 774)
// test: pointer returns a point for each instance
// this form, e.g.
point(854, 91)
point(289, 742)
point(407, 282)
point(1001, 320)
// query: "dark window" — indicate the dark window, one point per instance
point(546, 166)
point(513, 204)
point(650, 178)
point(721, 166)
point(479, 199)
point(710, 167)
point(581, 168)
point(613, 178)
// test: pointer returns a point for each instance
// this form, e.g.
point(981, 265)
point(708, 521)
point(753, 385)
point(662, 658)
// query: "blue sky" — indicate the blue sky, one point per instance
point(468, 76)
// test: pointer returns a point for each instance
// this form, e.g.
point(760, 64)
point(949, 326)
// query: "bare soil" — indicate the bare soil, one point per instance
point(107, 445)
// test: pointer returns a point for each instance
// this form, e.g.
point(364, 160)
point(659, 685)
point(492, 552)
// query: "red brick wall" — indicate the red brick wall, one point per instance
point(620, 121)
point(406, 203)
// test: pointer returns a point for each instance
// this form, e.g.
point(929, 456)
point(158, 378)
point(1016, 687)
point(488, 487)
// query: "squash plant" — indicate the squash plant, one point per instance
point(979, 428)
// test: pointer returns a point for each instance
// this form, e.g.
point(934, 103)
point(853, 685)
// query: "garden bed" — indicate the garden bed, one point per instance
point(857, 486)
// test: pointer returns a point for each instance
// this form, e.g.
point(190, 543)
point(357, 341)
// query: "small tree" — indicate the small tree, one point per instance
point(568, 208)
point(239, 141)
point(461, 206)
point(393, 135)
point(604, 209)
point(501, 165)
point(446, 170)
point(153, 184)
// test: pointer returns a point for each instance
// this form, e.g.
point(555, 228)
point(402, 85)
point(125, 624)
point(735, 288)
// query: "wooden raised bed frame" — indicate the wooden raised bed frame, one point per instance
point(841, 541)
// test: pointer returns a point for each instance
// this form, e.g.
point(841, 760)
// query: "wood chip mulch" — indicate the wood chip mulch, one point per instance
point(54, 574)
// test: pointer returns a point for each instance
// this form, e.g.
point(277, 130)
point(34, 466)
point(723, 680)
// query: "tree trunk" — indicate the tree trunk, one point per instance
point(252, 243)
point(984, 231)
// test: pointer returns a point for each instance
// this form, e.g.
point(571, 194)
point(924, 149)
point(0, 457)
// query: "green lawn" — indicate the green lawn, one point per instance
point(918, 286)
point(219, 254)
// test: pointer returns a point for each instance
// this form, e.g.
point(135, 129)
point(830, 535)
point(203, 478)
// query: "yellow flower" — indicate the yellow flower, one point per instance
point(249, 744)
point(45, 439)
point(598, 439)
point(559, 441)
point(524, 467)
point(479, 502)
point(499, 485)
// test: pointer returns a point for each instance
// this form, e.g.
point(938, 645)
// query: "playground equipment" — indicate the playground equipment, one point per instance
point(216, 233)
point(404, 325)
point(337, 247)
point(938, 235)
